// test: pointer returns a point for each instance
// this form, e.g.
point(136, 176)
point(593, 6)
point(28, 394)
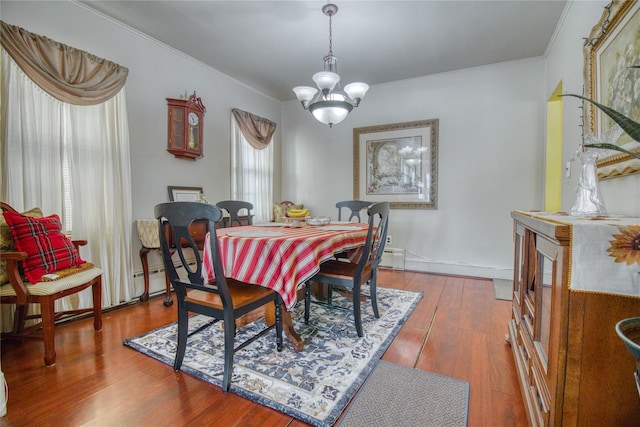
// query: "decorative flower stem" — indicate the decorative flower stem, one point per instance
point(613, 147)
point(629, 126)
point(632, 128)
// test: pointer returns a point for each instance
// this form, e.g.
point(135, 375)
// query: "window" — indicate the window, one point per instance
point(252, 173)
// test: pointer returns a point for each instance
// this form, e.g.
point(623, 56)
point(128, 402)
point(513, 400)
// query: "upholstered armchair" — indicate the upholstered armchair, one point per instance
point(40, 265)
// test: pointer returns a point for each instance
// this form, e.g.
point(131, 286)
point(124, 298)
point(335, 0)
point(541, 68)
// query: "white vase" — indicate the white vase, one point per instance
point(588, 201)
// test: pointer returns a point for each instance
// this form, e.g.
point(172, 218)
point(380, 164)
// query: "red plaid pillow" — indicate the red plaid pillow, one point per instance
point(48, 249)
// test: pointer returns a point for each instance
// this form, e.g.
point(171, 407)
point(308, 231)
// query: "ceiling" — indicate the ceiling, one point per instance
point(273, 46)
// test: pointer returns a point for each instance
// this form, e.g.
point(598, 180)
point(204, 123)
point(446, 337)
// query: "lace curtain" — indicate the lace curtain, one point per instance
point(252, 162)
point(44, 138)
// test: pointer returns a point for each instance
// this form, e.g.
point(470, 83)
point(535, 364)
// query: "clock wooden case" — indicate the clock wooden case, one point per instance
point(185, 127)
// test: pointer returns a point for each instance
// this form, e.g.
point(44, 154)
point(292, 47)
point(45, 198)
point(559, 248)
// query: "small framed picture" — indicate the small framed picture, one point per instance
point(185, 194)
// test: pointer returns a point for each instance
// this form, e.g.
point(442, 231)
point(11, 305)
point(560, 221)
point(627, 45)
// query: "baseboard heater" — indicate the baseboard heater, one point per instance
point(393, 258)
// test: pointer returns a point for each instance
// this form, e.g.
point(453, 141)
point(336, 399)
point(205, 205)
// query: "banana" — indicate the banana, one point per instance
point(297, 213)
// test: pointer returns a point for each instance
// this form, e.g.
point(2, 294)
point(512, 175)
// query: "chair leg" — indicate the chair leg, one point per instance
point(47, 310)
point(183, 330)
point(145, 272)
point(329, 294)
point(168, 299)
point(229, 330)
point(356, 310)
point(374, 296)
point(307, 301)
point(96, 290)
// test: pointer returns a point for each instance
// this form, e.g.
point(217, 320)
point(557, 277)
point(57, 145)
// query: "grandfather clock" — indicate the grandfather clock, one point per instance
point(185, 127)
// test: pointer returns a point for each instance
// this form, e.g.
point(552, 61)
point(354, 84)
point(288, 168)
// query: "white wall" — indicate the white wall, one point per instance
point(156, 72)
point(490, 149)
point(491, 122)
point(565, 63)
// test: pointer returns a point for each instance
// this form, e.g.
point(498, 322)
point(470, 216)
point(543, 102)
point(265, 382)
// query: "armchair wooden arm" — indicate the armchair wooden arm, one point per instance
point(78, 243)
point(13, 272)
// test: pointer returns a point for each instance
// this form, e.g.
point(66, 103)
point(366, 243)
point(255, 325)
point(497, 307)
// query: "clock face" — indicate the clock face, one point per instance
point(193, 119)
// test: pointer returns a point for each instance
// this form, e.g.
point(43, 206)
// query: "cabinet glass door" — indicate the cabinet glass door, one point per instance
point(176, 138)
point(544, 306)
point(547, 253)
point(518, 265)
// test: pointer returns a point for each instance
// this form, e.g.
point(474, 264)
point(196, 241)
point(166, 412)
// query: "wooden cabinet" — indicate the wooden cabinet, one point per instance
point(572, 367)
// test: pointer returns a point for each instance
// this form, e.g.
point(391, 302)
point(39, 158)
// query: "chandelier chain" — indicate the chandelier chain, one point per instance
point(330, 36)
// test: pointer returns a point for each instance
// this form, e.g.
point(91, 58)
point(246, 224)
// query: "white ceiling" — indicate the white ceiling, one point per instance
point(276, 45)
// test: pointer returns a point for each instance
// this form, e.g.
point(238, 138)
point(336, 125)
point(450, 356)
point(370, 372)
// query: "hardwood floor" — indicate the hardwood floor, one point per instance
point(458, 329)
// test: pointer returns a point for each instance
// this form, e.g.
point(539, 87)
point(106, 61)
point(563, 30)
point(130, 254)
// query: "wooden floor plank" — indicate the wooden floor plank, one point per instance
point(457, 329)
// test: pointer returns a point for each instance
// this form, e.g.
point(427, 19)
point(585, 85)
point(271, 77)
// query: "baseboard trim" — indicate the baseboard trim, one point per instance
point(458, 269)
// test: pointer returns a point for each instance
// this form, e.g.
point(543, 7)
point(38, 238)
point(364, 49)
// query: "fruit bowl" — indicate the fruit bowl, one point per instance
point(295, 221)
point(319, 220)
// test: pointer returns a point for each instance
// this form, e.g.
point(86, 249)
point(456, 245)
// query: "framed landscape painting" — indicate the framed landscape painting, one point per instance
point(397, 163)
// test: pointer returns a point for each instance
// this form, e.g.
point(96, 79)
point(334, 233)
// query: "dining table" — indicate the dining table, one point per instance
point(282, 257)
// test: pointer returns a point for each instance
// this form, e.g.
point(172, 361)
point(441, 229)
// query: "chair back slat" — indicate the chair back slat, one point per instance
point(234, 207)
point(376, 236)
point(352, 209)
point(379, 212)
point(179, 216)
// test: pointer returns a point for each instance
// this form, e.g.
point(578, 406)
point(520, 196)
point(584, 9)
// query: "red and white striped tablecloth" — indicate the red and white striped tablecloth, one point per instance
point(280, 258)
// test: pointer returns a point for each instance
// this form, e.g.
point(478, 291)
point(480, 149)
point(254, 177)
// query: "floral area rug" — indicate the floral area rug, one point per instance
point(313, 385)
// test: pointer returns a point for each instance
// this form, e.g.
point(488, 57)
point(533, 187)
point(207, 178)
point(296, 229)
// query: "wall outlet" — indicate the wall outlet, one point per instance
point(389, 240)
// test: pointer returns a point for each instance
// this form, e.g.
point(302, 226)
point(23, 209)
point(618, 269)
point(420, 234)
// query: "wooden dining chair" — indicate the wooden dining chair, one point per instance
point(349, 277)
point(352, 209)
point(223, 299)
point(233, 207)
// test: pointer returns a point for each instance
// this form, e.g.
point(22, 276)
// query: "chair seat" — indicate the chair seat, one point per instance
point(343, 270)
point(54, 286)
point(241, 295)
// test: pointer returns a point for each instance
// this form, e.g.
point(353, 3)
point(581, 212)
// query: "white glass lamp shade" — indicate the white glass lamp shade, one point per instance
point(330, 112)
point(326, 80)
point(356, 91)
point(304, 93)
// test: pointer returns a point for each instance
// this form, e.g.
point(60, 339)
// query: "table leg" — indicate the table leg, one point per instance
point(287, 325)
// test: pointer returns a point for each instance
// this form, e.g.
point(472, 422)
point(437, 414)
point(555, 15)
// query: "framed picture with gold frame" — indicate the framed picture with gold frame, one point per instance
point(397, 163)
point(185, 194)
point(610, 54)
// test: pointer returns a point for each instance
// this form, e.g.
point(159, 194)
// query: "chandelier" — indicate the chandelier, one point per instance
point(329, 104)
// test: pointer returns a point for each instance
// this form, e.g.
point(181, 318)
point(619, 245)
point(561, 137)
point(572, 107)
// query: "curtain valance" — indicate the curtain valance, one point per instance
point(256, 130)
point(66, 73)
